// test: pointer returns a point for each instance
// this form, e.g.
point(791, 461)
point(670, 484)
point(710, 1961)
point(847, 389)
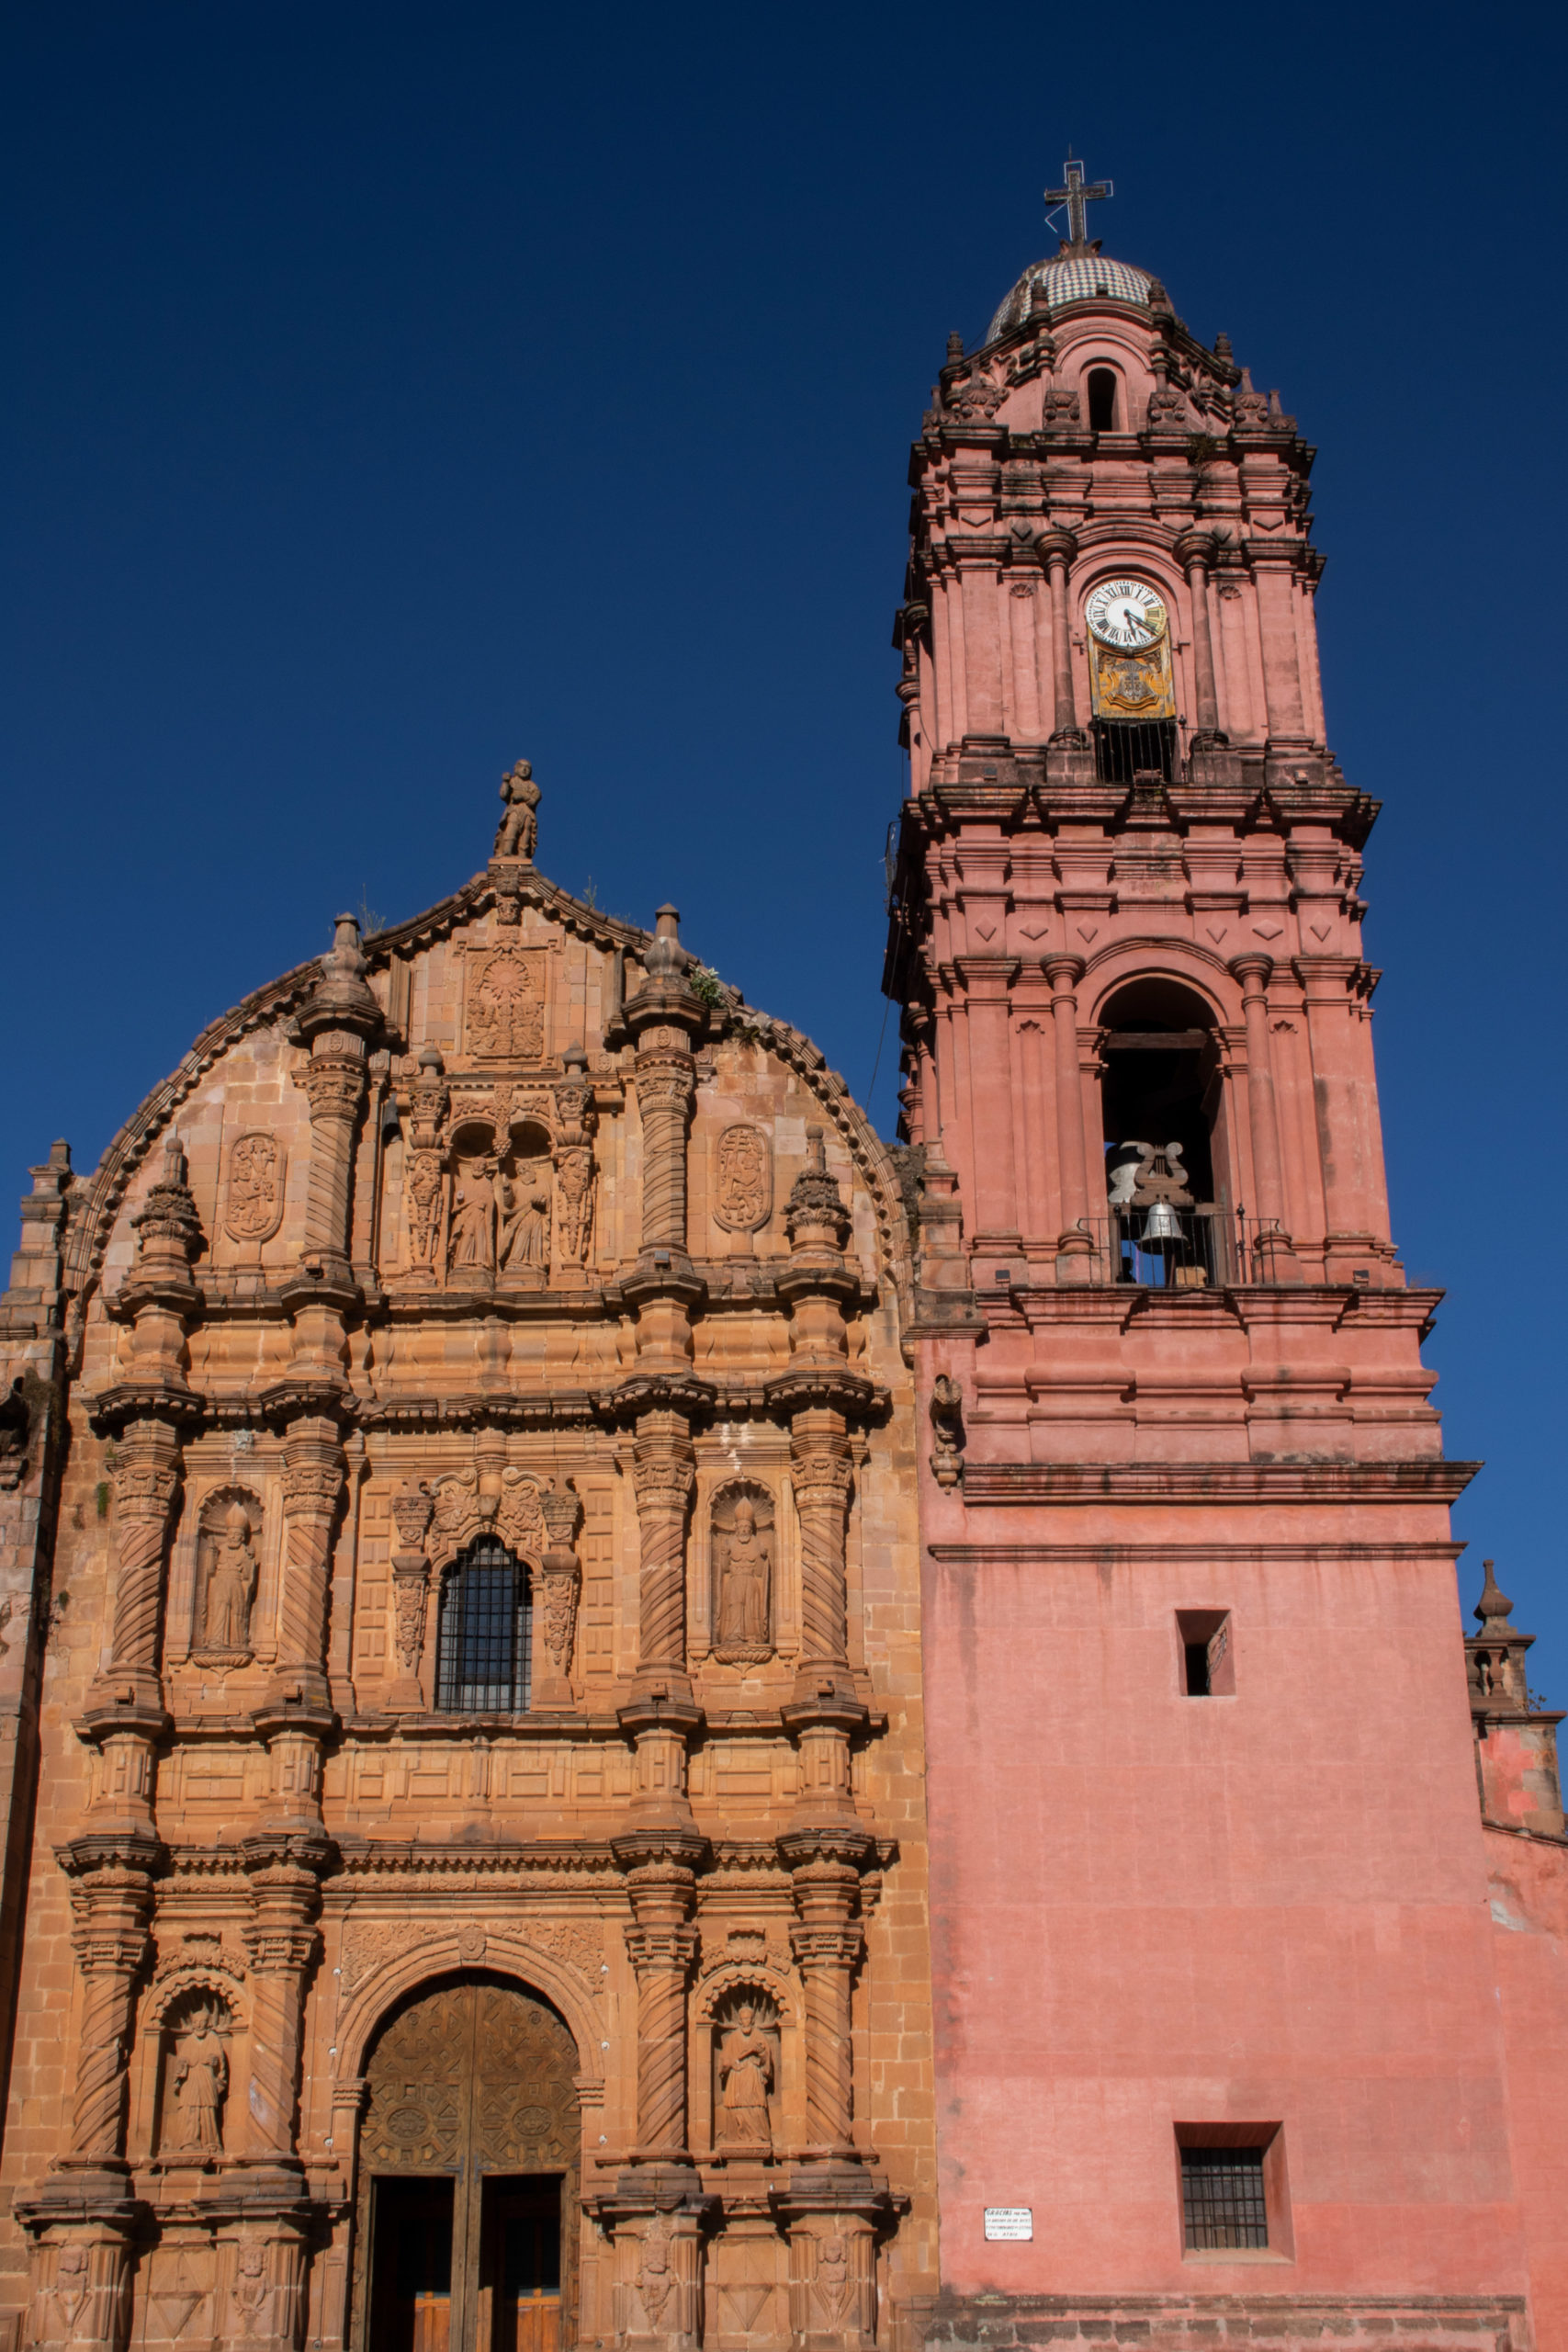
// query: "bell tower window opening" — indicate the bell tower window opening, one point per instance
point(1101, 388)
point(486, 1634)
point(1125, 749)
point(1159, 1059)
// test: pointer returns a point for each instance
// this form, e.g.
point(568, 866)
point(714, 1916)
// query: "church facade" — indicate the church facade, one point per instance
point(636, 1720)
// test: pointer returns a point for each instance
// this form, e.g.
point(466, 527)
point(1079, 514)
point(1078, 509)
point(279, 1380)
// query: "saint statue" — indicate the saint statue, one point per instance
point(199, 2081)
point(745, 1561)
point(230, 1585)
point(519, 828)
point(745, 2078)
point(471, 1241)
point(524, 1210)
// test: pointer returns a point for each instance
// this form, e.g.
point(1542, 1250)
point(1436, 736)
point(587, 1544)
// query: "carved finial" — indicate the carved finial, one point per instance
point(342, 998)
point(1222, 347)
point(816, 1216)
point(1493, 1606)
point(168, 1230)
point(955, 347)
point(518, 833)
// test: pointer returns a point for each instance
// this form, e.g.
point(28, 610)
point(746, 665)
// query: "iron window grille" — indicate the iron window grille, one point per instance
point(1222, 2201)
point(485, 1640)
point(1127, 748)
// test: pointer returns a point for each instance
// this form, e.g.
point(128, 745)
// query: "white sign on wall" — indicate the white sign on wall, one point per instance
point(1009, 2221)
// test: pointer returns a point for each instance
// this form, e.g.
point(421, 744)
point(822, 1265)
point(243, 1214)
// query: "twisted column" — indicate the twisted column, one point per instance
point(819, 1474)
point(661, 1944)
point(662, 1471)
point(664, 1090)
point(282, 1941)
point(313, 1474)
point(147, 1486)
point(112, 1906)
point(827, 1941)
point(334, 1082)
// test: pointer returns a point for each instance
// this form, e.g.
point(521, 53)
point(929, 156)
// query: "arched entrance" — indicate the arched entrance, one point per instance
point(469, 2156)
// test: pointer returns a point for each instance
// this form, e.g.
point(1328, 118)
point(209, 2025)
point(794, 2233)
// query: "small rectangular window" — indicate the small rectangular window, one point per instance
point(1208, 1653)
point(1224, 2202)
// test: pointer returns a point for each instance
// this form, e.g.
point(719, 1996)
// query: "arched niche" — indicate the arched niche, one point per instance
point(227, 1570)
point(719, 2041)
point(194, 2020)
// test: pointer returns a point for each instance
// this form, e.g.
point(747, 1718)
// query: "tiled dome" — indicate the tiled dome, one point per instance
point(1071, 279)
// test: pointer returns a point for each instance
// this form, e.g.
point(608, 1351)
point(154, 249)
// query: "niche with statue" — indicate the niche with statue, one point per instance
point(195, 2087)
point(743, 1574)
point(746, 2057)
point(227, 1569)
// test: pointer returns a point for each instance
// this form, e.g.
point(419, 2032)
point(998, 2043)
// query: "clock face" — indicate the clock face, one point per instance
point(1127, 613)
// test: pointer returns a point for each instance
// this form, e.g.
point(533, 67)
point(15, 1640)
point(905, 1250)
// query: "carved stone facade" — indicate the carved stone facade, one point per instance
point(485, 1726)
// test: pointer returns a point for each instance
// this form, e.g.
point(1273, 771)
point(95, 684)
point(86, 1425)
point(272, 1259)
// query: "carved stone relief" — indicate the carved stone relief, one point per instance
point(505, 1008)
point(226, 1575)
point(743, 1551)
point(253, 1206)
point(743, 1188)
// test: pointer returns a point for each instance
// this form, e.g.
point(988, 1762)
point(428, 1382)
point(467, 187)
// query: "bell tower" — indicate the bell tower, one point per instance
point(1191, 1646)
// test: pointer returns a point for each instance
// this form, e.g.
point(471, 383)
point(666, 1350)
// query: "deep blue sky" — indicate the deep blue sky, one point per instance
point(395, 389)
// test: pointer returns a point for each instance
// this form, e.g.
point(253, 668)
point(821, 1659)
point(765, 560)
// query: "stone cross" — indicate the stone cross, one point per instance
point(1076, 196)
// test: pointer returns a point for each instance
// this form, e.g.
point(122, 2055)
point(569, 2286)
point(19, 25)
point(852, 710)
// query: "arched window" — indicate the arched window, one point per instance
point(1101, 388)
point(487, 1619)
point(1160, 1095)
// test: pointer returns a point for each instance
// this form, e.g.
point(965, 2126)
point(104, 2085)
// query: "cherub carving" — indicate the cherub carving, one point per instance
point(655, 2281)
point(832, 2285)
point(519, 828)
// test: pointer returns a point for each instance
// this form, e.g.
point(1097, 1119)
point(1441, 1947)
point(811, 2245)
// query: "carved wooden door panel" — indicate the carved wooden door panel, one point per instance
point(470, 2085)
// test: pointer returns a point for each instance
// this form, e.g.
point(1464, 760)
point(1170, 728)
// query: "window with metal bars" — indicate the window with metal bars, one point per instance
point(1222, 2199)
point(485, 1638)
point(1125, 747)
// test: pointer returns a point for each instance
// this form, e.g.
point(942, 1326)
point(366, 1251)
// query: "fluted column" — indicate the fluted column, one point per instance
point(1195, 550)
point(282, 1940)
point(1058, 550)
point(1076, 1244)
point(1268, 1165)
point(661, 1943)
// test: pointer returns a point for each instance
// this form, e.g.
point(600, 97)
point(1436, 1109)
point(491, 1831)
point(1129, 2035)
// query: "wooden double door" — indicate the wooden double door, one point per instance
point(469, 2168)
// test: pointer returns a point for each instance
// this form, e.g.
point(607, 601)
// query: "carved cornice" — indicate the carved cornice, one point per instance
point(1032, 1483)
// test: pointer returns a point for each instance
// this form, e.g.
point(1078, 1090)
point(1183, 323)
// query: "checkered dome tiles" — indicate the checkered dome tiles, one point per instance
point(1073, 281)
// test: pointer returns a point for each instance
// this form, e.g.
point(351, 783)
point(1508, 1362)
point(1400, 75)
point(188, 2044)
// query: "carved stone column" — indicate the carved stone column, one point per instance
point(340, 1017)
point(297, 1715)
point(662, 1945)
point(1195, 550)
point(827, 1943)
point(664, 1469)
point(1274, 1247)
point(282, 1940)
point(125, 1707)
point(1058, 550)
point(111, 1903)
point(557, 1585)
point(411, 1591)
point(82, 2216)
point(819, 1474)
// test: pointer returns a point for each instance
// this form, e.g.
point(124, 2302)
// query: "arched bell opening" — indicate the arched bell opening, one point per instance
point(468, 2215)
point(1163, 1153)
